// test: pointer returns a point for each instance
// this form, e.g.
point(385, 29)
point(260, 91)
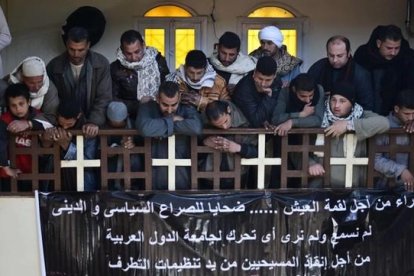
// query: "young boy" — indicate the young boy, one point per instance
point(69, 117)
point(117, 118)
point(17, 120)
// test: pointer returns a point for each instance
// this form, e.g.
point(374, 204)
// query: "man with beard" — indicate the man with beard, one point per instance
point(84, 75)
point(137, 73)
point(299, 105)
point(229, 62)
point(43, 93)
point(199, 83)
point(340, 66)
point(271, 44)
point(163, 118)
point(343, 114)
point(398, 167)
point(390, 61)
point(256, 94)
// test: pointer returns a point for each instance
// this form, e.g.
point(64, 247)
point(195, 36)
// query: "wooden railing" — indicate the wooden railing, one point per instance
point(263, 162)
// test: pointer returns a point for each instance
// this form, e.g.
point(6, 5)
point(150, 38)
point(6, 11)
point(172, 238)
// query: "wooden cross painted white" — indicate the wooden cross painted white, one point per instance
point(80, 163)
point(349, 160)
point(171, 163)
point(261, 161)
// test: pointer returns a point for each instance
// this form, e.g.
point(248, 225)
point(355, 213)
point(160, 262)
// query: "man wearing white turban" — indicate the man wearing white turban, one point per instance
point(271, 44)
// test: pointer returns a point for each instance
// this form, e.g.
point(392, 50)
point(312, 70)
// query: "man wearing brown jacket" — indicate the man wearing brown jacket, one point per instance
point(199, 83)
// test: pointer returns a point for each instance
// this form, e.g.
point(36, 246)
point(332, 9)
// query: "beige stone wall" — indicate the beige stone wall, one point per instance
point(19, 247)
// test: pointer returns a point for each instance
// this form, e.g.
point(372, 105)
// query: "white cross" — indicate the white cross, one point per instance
point(80, 163)
point(261, 161)
point(171, 163)
point(349, 160)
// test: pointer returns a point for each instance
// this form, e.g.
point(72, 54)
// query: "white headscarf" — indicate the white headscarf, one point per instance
point(273, 34)
point(16, 76)
point(207, 80)
point(238, 69)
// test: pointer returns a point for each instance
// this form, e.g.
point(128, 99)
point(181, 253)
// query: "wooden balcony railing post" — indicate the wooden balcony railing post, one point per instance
point(305, 148)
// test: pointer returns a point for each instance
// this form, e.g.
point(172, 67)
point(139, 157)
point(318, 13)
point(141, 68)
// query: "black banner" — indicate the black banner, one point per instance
point(341, 232)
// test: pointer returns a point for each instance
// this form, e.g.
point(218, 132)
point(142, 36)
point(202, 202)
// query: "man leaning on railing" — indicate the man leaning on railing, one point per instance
point(401, 116)
point(342, 114)
point(226, 115)
point(164, 118)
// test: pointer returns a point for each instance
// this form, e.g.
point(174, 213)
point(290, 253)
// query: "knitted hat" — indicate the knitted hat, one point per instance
point(273, 34)
point(117, 112)
point(345, 89)
point(33, 67)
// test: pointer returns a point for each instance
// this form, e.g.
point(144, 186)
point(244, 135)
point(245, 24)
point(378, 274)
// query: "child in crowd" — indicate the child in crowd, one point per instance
point(69, 117)
point(18, 120)
point(117, 117)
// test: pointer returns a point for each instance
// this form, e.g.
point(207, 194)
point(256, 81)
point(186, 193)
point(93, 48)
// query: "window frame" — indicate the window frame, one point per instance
point(170, 24)
point(245, 23)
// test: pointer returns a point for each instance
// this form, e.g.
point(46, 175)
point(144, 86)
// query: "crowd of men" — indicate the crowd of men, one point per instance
point(79, 89)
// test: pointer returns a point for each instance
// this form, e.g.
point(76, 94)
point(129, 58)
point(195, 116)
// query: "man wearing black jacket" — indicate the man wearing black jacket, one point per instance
point(339, 66)
point(390, 61)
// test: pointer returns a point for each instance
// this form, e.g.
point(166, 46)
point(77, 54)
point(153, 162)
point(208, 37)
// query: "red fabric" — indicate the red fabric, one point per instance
point(23, 161)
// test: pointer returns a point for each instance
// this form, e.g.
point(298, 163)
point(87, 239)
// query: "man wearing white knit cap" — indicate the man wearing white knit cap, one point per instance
point(271, 44)
point(43, 93)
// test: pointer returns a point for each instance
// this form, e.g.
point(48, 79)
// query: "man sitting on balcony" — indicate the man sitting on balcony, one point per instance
point(403, 114)
point(343, 114)
point(256, 93)
point(164, 118)
point(229, 62)
point(199, 83)
point(225, 115)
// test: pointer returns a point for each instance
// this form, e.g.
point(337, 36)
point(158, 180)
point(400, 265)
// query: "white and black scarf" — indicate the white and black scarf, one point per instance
point(238, 69)
point(148, 74)
point(206, 81)
point(36, 97)
point(329, 118)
